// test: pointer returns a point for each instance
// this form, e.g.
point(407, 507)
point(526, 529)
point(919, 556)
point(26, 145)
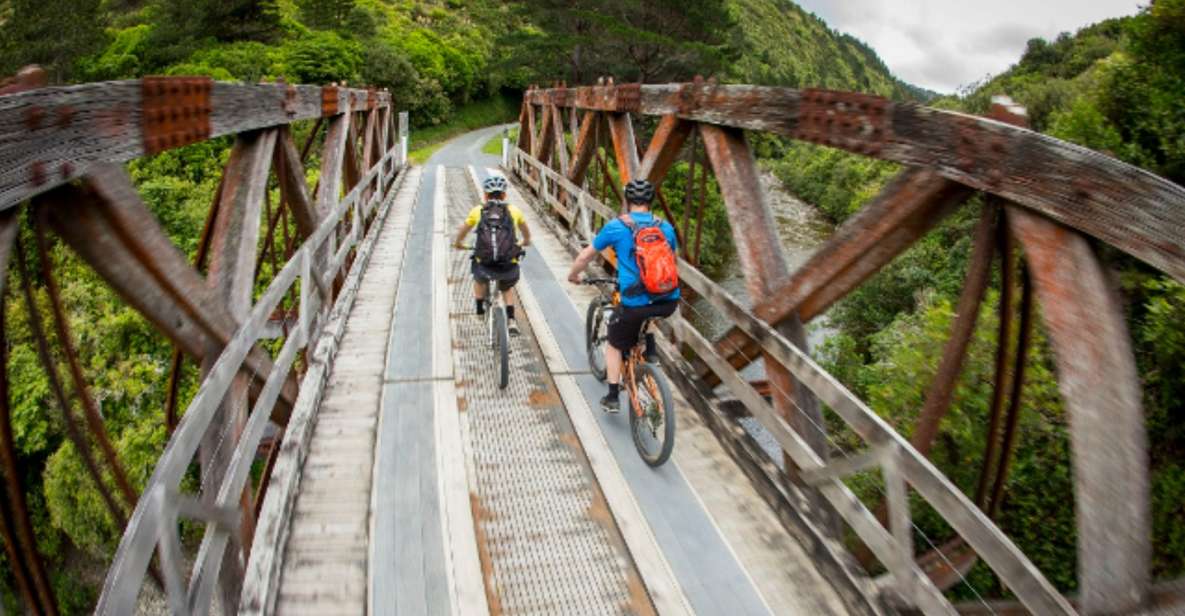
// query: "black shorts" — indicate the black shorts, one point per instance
point(627, 322)
point(506, 276)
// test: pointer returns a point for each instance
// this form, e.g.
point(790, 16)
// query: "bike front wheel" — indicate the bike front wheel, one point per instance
point(652, 414)
point(596, 335)
point(502, 347)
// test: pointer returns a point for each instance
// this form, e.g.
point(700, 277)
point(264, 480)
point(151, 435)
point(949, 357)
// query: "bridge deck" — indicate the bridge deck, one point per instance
point(517, 501)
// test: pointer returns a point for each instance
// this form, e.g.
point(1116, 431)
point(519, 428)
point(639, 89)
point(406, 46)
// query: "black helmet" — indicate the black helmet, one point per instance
point(639, 191)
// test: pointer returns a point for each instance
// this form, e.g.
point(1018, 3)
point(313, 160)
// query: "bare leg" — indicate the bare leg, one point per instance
point(480, 289)
point(613, 363)
point(509, 296)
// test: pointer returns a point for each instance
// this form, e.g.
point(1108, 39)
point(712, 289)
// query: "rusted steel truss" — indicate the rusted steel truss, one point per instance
point(1044, 195)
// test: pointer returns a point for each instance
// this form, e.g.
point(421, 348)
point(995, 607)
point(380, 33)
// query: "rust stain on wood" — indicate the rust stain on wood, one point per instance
point(542, 397)
point(481, 514)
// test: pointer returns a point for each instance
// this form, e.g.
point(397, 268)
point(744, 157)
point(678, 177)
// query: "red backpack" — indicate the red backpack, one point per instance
point(658, 269)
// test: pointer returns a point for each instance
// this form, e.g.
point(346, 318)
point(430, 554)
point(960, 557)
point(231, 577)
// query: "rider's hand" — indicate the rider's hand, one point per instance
point(574, 278)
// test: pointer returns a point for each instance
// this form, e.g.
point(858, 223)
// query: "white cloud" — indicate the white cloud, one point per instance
point(944, 44)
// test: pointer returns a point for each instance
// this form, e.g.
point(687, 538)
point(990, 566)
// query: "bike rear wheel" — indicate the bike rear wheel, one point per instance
point(652, 415)
point(596, 335)
point(502, 346)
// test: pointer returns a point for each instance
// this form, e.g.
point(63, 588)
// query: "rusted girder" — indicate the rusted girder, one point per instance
point(942, 387)
point(664, 147)
point(108, 225)
point(764, 265)
point(911, 205)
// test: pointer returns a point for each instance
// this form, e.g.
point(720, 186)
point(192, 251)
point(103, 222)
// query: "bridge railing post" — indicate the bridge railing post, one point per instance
point(505, 148)
point(403, 138)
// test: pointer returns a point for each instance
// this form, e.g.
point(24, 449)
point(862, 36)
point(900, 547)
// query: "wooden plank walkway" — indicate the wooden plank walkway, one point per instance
point(325, 566)
point(427, 490)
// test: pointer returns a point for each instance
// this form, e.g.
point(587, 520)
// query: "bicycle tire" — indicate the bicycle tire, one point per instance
point(639, 428)
point(502, 337)
point(595, 346)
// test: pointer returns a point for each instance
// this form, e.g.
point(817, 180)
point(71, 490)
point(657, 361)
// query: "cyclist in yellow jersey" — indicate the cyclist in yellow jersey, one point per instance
point(496, 251)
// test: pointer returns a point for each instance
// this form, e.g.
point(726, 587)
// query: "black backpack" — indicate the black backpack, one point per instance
point(496, 243)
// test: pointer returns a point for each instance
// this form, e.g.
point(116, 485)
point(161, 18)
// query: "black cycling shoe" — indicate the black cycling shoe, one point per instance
point(610, 404)
point(512, 327)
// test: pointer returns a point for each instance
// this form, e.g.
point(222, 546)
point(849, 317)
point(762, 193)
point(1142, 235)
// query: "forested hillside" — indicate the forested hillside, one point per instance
point(1116, 86)
point(452, 63)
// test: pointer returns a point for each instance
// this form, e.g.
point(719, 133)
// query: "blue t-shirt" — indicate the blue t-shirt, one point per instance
point(619, 236)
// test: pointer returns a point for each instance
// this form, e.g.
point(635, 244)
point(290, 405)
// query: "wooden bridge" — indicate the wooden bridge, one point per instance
point(356, 455)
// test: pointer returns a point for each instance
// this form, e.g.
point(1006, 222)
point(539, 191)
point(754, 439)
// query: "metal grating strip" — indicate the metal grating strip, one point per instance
point(551, 545)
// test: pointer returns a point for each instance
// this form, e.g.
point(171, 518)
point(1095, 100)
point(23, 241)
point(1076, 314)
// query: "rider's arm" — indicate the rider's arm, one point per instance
point(603, 241)
point(582, 260)
point(526, 231)
point(462, 231)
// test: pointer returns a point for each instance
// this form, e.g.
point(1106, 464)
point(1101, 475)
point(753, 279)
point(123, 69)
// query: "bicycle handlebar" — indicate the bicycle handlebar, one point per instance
point(598, 281)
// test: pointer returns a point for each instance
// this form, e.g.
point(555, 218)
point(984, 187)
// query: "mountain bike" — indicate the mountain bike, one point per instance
point(652, 412)
point(497, 327)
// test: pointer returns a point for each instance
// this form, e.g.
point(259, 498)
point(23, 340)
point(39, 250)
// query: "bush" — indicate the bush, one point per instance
point(320, 58)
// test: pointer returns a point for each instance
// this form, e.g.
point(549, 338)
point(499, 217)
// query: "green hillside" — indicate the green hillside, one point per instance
point(778, 43)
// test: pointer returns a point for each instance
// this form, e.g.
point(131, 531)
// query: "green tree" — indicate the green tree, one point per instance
point(51, 33)
point(326, 14)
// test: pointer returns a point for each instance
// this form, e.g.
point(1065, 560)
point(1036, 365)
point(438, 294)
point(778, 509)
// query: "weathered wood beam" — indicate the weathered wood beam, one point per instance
point(293, 189)
point(545, 140)
point(526, 127)
point(332, 158)
point(996, 549)
point(759, 249)
point(664, 147)
point(1127, 207)
point(233, 250)
point(56, 134)
point(586, 147)
point(1098, 381)
point(901, 214)
point(561, 144)
point(625, 148)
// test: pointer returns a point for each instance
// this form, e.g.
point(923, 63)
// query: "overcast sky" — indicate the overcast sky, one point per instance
point(944, 44)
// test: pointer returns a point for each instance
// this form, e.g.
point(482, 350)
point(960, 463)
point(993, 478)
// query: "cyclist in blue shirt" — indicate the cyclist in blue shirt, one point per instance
point(636, 304)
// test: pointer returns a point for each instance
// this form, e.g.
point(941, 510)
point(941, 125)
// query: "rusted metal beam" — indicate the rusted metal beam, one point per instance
point(1000, 388)
point(912, 204)
point(20, 543)
point(107, 224)
point(754, 231)
point(942, 388)
point(664, 147)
